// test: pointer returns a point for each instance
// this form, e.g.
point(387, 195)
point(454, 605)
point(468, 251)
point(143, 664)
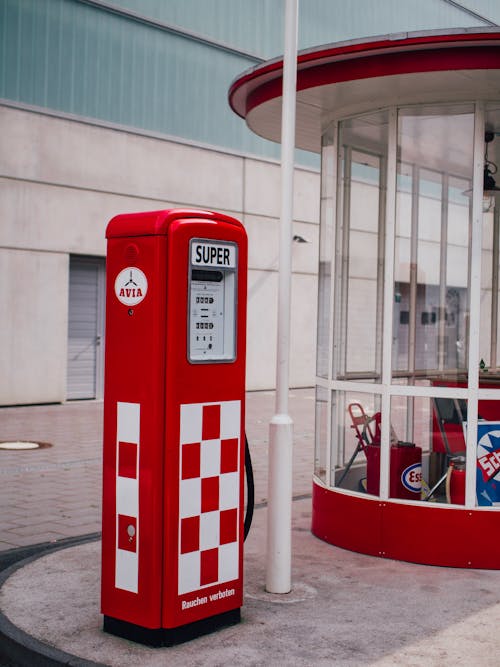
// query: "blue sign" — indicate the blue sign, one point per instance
point(488, 463)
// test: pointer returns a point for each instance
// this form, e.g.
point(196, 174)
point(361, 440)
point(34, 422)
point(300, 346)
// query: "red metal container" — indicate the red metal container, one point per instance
point(405, 471)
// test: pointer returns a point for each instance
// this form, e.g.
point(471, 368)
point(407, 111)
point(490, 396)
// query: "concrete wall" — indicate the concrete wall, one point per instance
point(61, 180)
point(33, 340)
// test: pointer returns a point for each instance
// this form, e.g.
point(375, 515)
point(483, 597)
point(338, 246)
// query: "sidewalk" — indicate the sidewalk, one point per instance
point(55, 493)
point(345, 609)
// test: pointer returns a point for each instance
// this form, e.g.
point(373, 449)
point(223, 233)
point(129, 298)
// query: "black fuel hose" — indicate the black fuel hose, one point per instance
point(250, 489)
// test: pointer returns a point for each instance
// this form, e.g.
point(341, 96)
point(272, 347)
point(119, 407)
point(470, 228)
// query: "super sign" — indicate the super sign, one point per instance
point(204, 253)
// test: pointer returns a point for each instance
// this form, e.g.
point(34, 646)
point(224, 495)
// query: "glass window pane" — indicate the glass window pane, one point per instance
point(427, 460)
point(431, 268)
point(327, 222)
point(321, 433)
point(359, 248)
point(489, 339)
point(358, 439)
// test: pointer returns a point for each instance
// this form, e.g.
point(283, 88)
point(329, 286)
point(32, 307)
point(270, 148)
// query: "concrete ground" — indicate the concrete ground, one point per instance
point(344, 608)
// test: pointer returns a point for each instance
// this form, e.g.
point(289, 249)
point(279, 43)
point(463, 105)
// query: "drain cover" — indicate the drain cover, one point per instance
point(20, 444)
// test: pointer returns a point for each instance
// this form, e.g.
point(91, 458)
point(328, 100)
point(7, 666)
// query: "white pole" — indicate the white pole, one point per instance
point(279, 515)
point(475, 306)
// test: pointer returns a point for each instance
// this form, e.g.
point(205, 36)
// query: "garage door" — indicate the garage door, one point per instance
point(86, 327)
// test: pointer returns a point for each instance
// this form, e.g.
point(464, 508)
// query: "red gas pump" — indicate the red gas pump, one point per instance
point(174, 412)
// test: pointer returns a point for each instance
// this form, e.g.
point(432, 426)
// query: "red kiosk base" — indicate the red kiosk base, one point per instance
point(164, 637)
point(425, 533)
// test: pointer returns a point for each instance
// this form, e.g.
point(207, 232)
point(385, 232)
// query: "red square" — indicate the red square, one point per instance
point(127, 532)
point(190, 460)
point(211, 422)
point(229, 455)
point(209, 494)
point(228, 526)
point(209, 561)
point(190, 534)
point(127, 460)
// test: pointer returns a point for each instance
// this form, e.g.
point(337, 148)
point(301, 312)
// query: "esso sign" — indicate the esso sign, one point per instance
point(411, 478)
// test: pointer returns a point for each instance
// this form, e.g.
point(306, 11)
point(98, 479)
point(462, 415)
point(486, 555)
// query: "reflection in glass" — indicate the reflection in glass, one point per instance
point(327, 223)
point(321, 433)
point(432, 241)
point(359, 247)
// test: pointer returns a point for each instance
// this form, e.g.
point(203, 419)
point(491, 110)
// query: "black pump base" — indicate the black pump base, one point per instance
point(170, 636)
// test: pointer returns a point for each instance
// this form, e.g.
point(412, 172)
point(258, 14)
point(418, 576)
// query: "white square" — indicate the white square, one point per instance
point(209, 530)
point(229, 491)
point(190, 497)
point(229, 562)
point(127, 570)
point(189, 572)
point(127, 496)
point(128, 420)
point(210, 458)
point(230, 419)
point(191, 422)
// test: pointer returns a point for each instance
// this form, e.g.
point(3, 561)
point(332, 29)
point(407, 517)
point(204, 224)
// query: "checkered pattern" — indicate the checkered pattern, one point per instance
point(209, 494)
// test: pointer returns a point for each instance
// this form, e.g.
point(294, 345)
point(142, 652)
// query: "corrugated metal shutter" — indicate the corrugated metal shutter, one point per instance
point(85, 328)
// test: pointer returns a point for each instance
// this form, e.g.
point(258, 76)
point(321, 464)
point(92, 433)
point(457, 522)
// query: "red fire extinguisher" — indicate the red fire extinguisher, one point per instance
point(455, 481)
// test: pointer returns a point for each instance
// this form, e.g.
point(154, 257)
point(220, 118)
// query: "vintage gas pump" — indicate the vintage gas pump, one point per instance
point(174, 410)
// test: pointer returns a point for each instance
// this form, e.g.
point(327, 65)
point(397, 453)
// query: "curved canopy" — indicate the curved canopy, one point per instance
point(363, 75)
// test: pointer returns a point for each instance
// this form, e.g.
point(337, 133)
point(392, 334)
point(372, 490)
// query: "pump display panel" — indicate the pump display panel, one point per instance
point(212, 301)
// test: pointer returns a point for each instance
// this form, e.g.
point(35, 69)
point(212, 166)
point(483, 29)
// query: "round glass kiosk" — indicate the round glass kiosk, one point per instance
point(407, 450)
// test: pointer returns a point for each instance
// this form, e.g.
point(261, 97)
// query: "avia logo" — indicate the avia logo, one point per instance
point(131, 286)
point(131, 293)
point(411, 478)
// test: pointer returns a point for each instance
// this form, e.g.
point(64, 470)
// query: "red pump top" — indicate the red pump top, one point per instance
point(157, 223)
